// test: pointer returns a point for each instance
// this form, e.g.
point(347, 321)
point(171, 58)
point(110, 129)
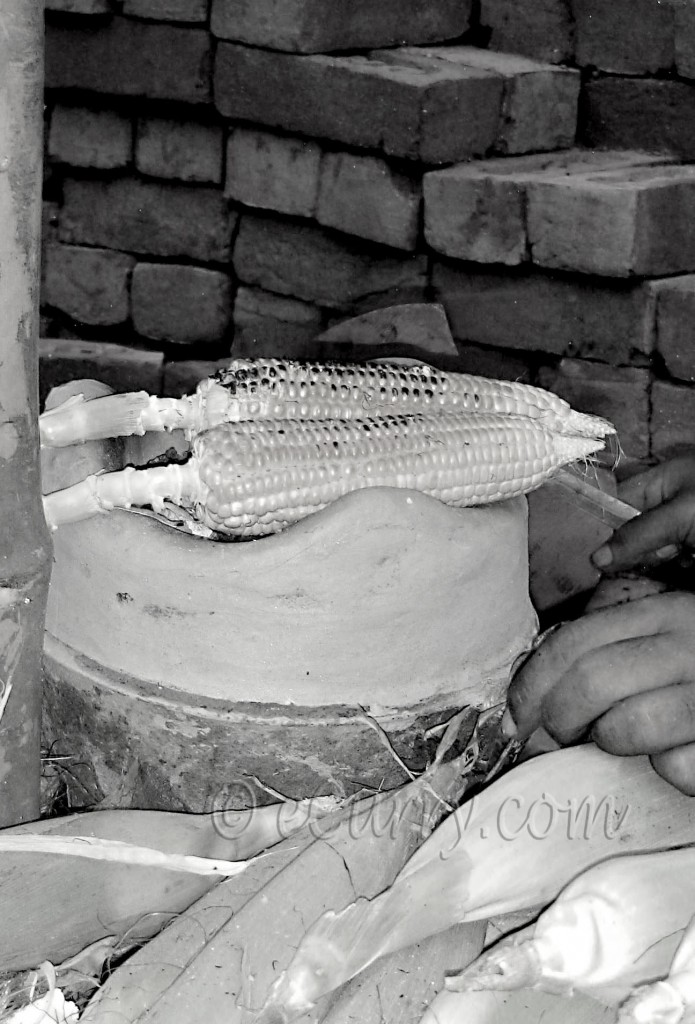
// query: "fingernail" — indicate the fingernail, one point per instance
point(670, 551)
point(602, 557)
point(508, 725)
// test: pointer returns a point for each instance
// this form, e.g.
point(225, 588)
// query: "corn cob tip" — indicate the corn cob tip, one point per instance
point(585, 424)
point(509, 965)
point(573, 448)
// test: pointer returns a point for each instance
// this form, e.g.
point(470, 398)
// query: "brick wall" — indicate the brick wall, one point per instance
point(232, 178)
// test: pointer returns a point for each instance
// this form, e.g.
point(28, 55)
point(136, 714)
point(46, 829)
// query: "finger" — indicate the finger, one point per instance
point(643, 490)
point(654, 486)
point(601, 681)
point(677, 766)
point(546, 667)
point(648, 723)
point(651, 538)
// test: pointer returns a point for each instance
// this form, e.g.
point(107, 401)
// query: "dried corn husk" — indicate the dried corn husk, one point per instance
point(488, 858)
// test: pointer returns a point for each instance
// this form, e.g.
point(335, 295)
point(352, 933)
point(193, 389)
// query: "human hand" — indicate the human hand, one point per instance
point(665, 495)
point(625, 675)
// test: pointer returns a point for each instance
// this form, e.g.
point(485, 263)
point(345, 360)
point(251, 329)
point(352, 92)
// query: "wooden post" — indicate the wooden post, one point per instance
point(25, 550)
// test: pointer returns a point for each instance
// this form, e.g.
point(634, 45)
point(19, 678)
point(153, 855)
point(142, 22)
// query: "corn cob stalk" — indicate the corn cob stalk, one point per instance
point(512, 848)
point(671, 1001)
point(272, 389)
point(614, 925)
point(250, 479)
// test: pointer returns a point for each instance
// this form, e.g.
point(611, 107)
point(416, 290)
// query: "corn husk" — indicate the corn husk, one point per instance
point(670, 1000)
point(136, 891)
point(217, 961)
point(477, 864)
point(614, 926)
point(515, 1008)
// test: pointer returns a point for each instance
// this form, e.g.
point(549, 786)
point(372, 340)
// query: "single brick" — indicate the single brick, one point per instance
point(625, 36)
point(90, 138)
point(436, 113)
point(90, 285)
point(539, 106)
point(419, 330)
point(540, 312)
point(313, 26)
point(183, 150)
point(616, 223)
point(310, 263)
point(685, 39)
point(180, 304)
point(620, 393)
point(541, 29)
point(123, 369)
point(539, 110)
point(130, 58)
point(675, 325)
point(656, 115)
point(274, 327)
point(80, 6)
point(364, 196)
point(472, 213)
point(182, 376)
point(273, 172)
point(167, 10)
point(673, 418)
point(477, 211)
point(147, 217)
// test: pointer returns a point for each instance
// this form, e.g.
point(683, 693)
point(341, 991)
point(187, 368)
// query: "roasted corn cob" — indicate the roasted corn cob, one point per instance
point(249, 479)
point(512, 848)
point(671, 1001)
point(616, 924)
point(273, 389)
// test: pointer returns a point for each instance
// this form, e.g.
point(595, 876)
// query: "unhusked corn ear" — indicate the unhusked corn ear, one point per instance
point(277, 389)
point(616, 924)
point(512, 847)
point(259, 477)
point(672, 1000)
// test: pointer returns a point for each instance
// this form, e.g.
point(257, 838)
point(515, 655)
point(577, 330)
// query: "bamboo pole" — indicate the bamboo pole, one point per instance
point(25, 550)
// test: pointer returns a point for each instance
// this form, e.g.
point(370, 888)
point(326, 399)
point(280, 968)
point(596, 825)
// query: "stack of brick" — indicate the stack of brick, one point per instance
point(233, 178)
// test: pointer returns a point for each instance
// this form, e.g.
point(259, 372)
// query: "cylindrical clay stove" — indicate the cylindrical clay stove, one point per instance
point(180, 666)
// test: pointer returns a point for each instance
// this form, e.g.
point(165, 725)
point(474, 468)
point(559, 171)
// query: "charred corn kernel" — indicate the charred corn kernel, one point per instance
point(249, 479)
point(272, 389)
point(672, 1000)
point(616, 924)
point(513, 847)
